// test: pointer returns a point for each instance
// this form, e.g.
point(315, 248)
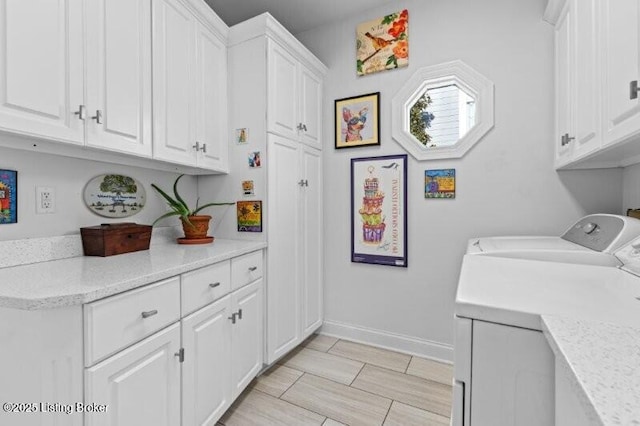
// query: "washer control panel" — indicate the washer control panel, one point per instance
point(596, 232)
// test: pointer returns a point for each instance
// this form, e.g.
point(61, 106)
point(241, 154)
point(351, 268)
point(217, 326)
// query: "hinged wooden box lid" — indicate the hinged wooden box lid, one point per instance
point(115, 238)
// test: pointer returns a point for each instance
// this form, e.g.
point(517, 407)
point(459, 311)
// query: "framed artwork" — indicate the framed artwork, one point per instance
point(379, 210)
point(357, 121)
point(8, 196)
point(440, 183)
point(248, 188)
point(249, 216)
point(254, 160)
point(383, 43)
point(113, 195)
point(242, 135)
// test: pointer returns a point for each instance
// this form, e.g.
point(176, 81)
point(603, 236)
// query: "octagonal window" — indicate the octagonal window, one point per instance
point(442, 111)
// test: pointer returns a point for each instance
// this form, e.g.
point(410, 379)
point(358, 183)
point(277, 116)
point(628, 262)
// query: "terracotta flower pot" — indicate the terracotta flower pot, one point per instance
point(198, 228)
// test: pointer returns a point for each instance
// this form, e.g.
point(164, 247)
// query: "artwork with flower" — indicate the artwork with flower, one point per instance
point(383, 44)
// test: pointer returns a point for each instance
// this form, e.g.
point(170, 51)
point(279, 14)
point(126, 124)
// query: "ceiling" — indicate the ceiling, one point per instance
point(296, 15)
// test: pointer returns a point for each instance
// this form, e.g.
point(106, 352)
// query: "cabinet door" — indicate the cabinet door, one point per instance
point(141, 384)
point(282, 114)
point(311, 218)
point(119, 75)
point(564, 82)
point(586, 104)
point(211, 100)
point(513, 377)
point(173, 82)
point(246, 336)
point(206, 377)
point(310, 108)
point(283, 253)
point(41, 68)
point(621, 57)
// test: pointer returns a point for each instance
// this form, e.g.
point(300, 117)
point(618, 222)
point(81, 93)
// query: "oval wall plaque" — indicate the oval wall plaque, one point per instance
point(112, 195)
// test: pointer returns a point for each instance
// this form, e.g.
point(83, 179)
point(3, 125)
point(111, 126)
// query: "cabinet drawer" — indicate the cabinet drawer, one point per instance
point(115, 322)
point(205, 285)
point(246, 269)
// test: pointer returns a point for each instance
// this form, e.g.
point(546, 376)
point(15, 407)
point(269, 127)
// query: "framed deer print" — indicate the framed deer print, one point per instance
point(383, 44)
point(357, 121)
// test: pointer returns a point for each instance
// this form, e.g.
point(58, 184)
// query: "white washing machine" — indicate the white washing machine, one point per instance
point(504, 367)
point(602, 233)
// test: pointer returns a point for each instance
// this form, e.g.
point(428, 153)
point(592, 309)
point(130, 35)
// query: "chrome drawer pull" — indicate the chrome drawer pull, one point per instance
point(148, 314)
point(239, 314)
point(232, 318)
point(253, 268)
point(214, 285)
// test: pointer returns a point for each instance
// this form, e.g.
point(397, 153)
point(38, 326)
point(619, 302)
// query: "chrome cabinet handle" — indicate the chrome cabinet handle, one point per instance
point(214, 285)
point(81, 112)
point(197, 146)
point(204, 148)
point(232, 318)
point(299, 126)
point(633, 89)
point(239, 313)
point(98, 117)
point(148, 314)
point(304, 127)
point(303, 182)
point(253, 268)
point(565, 139)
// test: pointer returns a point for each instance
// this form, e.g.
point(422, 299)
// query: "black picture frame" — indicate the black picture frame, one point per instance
point(357, 121)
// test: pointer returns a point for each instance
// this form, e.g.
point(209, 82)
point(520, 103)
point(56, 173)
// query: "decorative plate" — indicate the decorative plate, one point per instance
point(114, 195)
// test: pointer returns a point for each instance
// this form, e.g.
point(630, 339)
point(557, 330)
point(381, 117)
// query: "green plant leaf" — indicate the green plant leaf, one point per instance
point(392, 60)
point(210, 205)
point(177, 207)
point(178, 197)
point(174, 213)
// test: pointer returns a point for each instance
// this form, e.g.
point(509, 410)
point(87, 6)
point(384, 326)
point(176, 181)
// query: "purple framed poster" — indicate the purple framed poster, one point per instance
point(379, 210)
point(8, 196)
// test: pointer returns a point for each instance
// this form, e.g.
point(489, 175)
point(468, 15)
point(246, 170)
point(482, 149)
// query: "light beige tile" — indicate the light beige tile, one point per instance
point(255, 408)
point(343, 403)
point(432, 370)
point(325, 365)
point(276, 380)
point(319, 342)
point(405, 415)
point(330, 422)
point(376, 356)
point(415, 391)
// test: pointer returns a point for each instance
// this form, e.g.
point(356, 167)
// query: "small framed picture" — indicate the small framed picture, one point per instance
point(249, 215)
point(8, 196)
point(254, 159)
point(247, 188)
point(242, 135)
point(357, 121)
point(440, 183)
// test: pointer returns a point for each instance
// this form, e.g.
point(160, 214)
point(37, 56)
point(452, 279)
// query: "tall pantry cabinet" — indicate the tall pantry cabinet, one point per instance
point(269, 70)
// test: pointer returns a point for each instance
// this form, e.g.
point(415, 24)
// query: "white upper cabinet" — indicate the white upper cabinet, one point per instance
point(173, 82)
point(119, 75)
point(621, 60)
point(189, 89)
point(597, 74)
point(294, 93)
point(41, 68)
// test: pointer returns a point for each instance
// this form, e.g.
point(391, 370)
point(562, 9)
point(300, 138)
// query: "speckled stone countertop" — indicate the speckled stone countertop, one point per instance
point(603, 362)
point(78, 280)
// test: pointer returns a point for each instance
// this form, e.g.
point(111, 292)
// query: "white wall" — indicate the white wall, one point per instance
point(69, 176)
point(631, 187)
point(505, 185)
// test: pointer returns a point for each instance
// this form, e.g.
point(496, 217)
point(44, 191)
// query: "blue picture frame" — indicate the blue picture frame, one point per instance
point(8, 196)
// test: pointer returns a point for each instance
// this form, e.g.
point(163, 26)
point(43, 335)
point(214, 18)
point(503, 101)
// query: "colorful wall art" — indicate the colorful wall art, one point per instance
point(379, 210)
point(112, 195)
point(8, 196)
point(357, 121)
point(440, 183)
point(383, 43)
point(249, 216)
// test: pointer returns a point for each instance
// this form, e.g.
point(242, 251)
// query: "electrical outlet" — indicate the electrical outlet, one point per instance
point(45, 200)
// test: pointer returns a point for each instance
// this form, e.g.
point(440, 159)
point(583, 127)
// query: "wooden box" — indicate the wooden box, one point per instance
point(116, 238)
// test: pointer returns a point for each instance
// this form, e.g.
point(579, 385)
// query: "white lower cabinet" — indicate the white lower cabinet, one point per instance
point(140, 385)
point(206, 376)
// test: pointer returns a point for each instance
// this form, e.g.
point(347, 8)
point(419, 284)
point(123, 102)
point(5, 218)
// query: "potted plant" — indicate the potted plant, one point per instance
point(195, 226)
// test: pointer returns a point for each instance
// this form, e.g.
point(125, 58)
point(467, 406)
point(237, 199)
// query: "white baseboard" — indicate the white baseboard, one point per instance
point(384, 339)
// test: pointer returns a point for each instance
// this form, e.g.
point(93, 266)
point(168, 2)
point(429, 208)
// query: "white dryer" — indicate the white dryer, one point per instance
point(602, 233)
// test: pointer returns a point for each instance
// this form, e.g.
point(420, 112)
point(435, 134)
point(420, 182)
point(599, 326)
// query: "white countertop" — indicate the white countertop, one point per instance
point(603, 363)
point(79, 280)
point(589, 314)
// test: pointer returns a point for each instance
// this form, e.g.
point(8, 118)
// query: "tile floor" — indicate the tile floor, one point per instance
point(332, 382)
